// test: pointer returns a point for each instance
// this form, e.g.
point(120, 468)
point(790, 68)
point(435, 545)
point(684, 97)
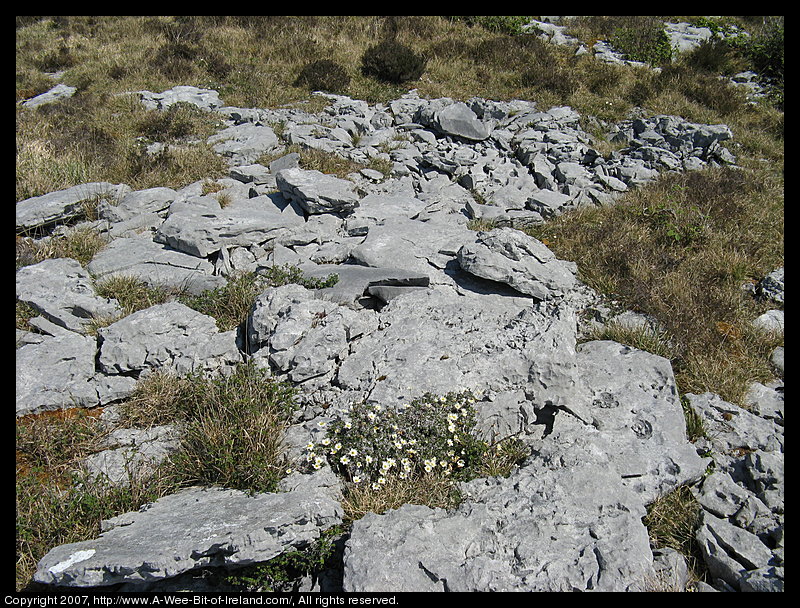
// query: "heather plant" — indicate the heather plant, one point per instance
point(393, 62)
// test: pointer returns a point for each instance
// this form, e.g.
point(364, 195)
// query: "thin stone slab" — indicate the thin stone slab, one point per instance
point(355, 281)
point(156, 264)
point(57, 93)
point(205, 99)
point(63, 205)
point(459, 120)
point(62, 291)
point(194, 528)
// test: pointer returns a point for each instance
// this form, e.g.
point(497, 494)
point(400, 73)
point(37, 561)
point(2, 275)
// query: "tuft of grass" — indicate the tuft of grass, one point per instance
point(232, 429)
point(80, 243)
point(671, 521)
point(56, 501)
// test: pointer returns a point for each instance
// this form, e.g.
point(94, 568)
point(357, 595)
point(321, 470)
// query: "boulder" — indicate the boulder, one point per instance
point(316, 192)
point(169, 335)
point(459, 120)
point(526, 264)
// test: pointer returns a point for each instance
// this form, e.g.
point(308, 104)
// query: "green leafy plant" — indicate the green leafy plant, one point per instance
point(279, 573)
point(432, 435)
point(285, 274)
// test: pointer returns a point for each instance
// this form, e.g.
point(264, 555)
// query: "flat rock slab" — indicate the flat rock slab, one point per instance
point(523, 262)
point(243, 144)
point(205, 99)
point(317, 192)
point(63, 292)
point(156, 264)
point(57, 93)
point(191, 529)
point(63, 205)
point(169, 335)
point(56, 373)
point(431, 341)
point(634, 416)
point(524, 533)
point(200, 227)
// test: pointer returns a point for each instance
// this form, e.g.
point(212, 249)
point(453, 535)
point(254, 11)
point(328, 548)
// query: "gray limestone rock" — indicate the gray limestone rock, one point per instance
point(156, 264)
point(458, 119)
point(524, 533)
point(509, 256)
point(56, 373)
point(205, 99)
point(57, 93)
point(194, 528)
point(62, 291)
point(169, 335)
point(731, 427)
point(729, 551)
point(317, 192)
point(200, 227)
point(636, 414)
point(63, 205)
point(243, 144)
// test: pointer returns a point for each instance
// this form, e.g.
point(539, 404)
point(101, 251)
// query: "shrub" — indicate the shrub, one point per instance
point(324, 75)
point(393, 62)
point(642, 39)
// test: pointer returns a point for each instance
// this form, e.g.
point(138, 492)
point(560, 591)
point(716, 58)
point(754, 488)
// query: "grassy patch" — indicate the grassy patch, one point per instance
point(231, 432)
point(679, 249)
point(671, 521)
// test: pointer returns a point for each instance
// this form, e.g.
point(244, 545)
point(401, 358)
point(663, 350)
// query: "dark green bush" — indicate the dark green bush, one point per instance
point(324, 75)
point(393, 62)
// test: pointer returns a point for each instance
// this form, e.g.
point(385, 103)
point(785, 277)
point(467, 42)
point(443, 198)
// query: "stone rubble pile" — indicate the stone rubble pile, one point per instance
point(423, 304)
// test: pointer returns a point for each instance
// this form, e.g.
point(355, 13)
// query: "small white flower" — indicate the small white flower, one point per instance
point(381, 480)
point(356, 479)
point(337, 447)
point(321, 423)
point(348, 425)
point(344, 460)
point(369, 459)
point(353, 452)
point(325, 441)
point(310, 446)
point(289, 471)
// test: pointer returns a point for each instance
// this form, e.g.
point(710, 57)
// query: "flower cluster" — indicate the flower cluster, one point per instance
point(430, 435)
